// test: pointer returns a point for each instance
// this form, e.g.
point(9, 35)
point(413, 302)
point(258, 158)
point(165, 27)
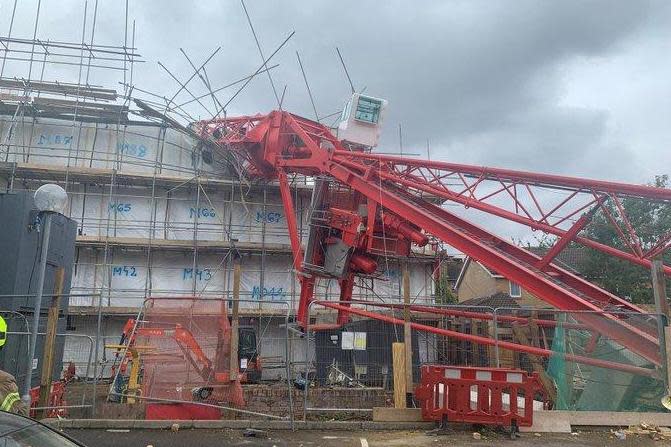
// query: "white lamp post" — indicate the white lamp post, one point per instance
point(49, 199)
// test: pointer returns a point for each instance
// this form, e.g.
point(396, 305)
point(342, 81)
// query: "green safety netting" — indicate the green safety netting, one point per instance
point(588, 388)
point(557, 365)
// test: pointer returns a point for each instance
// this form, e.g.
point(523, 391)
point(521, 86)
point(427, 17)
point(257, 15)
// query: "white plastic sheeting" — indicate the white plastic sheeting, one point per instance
point(131, 148)
point(127, 281)
point(387, 286)
point(180, 214)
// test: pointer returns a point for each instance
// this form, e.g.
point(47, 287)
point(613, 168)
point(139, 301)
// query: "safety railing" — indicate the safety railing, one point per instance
point(72, 371)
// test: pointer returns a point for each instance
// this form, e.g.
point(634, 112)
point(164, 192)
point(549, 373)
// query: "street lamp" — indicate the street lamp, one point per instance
point(49, 199)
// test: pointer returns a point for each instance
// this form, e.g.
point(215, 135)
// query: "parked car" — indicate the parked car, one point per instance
point(21, 431)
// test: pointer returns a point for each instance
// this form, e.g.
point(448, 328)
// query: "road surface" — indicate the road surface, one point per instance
point(282, 438)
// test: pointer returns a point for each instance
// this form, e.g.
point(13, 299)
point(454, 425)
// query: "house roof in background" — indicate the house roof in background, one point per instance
point(494, 301)
point(465, 265)
point(570, 258)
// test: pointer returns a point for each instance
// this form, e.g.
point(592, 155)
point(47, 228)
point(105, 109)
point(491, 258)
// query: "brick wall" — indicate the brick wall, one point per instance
point(476, 283)
point(274, 399)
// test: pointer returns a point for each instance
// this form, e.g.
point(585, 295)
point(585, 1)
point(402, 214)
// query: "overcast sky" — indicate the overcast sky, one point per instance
point(577, 88)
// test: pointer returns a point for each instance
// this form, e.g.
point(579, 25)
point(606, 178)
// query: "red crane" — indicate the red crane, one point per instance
point(365, 205)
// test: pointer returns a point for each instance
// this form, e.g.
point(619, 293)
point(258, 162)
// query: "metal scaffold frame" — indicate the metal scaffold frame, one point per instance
point(97, 172)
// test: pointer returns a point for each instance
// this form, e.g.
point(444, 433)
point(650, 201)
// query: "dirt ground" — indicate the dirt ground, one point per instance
point(166, 438)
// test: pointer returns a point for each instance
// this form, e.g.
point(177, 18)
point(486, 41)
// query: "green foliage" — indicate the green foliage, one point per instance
point(651, 220)
point(444, 293)
point(542, 240)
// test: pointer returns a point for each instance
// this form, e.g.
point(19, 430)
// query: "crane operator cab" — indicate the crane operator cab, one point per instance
point(361, 121)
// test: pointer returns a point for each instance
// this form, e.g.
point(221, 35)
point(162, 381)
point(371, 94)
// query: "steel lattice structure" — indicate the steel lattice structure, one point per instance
point(373, 204)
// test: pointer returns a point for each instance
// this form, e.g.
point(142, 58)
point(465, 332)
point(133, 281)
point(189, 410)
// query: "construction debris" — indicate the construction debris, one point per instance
point(655, 432)
point(621, 435)
point(253, 433)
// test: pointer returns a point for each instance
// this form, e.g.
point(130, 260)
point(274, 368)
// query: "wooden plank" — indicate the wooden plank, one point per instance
point(407, 330)
point(667, 341)
point(611, 418)
point(178, 244)
point(387, 414)
point(474, 346)
point(86, 174)
point(491, 350)
point(659, 287)
point(525, 335)
point(65, 89)
point(398, 360)
point(68, 103)
point(235, 319)
point(14, 98)
point(50, 341)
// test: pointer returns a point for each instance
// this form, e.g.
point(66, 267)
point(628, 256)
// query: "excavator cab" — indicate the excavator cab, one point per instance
point(250, 360)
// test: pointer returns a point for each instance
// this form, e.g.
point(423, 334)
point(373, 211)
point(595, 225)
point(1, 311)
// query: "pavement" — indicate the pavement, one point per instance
point(305, 438)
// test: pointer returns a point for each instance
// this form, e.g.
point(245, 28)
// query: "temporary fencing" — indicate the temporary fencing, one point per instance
point(612, 379)
point(75, 396)
point(348, 370)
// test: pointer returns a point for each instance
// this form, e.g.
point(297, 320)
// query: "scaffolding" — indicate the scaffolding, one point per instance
point(159, 212)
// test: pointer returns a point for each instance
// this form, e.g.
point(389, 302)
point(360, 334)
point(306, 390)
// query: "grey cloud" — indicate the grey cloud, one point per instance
point(482, 79)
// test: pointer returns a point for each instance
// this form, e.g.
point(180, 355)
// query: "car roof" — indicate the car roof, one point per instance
point(10, 422)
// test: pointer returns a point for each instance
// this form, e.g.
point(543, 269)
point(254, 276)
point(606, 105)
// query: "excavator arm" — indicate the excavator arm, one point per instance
point(182, 337)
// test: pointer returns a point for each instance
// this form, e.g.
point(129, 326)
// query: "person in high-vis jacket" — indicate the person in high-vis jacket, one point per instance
point(3, 332)
point(10, 400)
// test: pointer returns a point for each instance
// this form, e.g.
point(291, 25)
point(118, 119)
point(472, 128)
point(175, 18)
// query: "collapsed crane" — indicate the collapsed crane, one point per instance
point(365, 205)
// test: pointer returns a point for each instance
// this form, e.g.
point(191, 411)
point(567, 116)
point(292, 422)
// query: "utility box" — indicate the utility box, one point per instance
point(21, 246)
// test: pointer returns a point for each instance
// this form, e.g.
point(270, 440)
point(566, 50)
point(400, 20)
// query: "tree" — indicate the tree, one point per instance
point(651, 220)
point(444, 293)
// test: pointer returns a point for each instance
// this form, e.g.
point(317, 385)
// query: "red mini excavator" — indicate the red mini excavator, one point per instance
point(214, 372)
point(365, 205)
point(250, 360)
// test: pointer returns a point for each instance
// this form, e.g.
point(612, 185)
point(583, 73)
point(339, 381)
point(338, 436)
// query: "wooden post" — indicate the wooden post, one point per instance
point(475, 351)
point(526, 336)
point(407, 330)
point(659, 287)
point(667, 338)
point(235, 323)
point(50, 341)
point(398, 359)
point(662, 308)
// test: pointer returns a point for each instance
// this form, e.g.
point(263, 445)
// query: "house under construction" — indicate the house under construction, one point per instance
point(264, 215)
point(158, 213)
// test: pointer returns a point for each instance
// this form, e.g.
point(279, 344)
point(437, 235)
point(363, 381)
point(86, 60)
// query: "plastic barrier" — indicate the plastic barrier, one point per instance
point(181, 412)
point(56, 402)
point(492, 396)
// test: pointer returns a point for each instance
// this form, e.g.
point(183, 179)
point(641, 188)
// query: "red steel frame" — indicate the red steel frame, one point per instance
point(275, 145)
